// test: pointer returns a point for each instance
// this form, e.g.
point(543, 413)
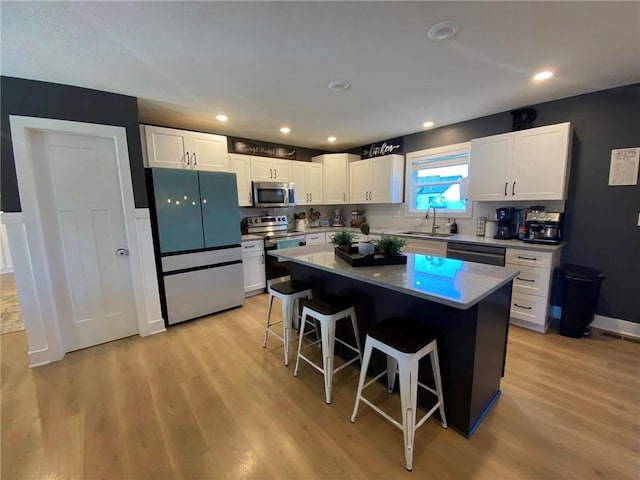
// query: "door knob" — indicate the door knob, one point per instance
point(122, 252)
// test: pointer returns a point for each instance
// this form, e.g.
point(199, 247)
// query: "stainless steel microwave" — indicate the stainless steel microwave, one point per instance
point(273, 194)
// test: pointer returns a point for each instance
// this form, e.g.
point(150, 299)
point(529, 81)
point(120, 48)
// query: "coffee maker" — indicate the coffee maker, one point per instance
point(508, 220)
point(544, 227)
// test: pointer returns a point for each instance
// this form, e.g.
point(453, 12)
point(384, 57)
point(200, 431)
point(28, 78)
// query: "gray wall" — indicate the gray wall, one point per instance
point(601, 221)
point(64, 102)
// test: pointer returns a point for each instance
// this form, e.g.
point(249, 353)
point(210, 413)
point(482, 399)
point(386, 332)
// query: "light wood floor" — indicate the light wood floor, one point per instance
point(205, 400)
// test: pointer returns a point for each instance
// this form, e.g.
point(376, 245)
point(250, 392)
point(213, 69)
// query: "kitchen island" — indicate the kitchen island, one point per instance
point(465, 304)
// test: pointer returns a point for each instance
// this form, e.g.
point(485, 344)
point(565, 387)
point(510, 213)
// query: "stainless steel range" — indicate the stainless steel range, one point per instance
point(275, 230)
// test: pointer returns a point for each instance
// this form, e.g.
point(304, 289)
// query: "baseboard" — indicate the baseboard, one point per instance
point(157, 326)
point(616, 325)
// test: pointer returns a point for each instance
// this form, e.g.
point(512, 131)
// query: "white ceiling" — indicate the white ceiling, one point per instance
point(268, 64)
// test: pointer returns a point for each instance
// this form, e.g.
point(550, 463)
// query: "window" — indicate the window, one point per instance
point(438, 178)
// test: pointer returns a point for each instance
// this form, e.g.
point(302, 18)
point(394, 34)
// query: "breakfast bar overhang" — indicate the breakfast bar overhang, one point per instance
point(465, 304)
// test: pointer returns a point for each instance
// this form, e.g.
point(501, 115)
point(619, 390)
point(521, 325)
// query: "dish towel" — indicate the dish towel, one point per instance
point(288, 243)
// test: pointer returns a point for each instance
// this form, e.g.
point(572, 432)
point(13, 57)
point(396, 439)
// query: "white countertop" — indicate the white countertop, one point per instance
point(451, 282)
point(519, 244)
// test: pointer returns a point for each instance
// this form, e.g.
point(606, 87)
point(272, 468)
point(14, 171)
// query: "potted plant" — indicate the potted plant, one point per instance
point(365, 247)
point(390, 245)
point(343, 240)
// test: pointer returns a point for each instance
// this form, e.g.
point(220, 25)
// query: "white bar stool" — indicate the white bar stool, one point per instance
point(404, 342)
point(289, 293)
point(327, 310)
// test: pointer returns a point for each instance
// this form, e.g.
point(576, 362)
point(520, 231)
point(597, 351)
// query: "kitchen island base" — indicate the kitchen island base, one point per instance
point(471, 343)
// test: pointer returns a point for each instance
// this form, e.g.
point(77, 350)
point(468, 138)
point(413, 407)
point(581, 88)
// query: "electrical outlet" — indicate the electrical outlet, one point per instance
point(418, 222)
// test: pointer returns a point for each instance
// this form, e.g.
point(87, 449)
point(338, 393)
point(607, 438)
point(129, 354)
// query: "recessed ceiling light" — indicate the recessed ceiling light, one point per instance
point(285, 129)
point(543, 75)
point(332, 139)
point(427, 124)
point(222, 118)
point(339, 85)
point(443, 30)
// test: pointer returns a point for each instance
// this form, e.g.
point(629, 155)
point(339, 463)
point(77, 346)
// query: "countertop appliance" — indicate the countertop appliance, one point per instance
point(508, 219)
point(544, 227)
point(273, 194)
point(195, 224)
point(275, 230)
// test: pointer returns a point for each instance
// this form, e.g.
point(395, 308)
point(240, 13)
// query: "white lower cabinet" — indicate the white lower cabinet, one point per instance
point(532, 287)
point(253, 266)
point(315, 238)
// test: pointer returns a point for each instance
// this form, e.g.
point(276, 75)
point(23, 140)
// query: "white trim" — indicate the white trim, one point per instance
point(34, 292)
point(35, 236)
point(150, 319)
point(616, 325)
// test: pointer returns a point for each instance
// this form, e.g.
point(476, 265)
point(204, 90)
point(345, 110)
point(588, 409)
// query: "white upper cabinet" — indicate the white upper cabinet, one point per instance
point(336, 176)
point(377, 180)
point(307, 178)
point(241, 166)
point(270, 169)
point(528, 164)
point(171, 148)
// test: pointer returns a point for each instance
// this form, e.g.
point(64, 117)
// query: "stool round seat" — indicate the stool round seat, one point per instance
point(327, 310)
point(405, 335)
point(326, 304)
point(289, 293)
point(405, 342)
point(290, 287)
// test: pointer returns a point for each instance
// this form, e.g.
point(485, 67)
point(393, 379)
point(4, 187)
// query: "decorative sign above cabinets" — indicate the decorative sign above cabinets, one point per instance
point(261, 149)
point(388, 147)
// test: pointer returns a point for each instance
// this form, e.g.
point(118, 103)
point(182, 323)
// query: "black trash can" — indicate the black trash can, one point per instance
point(580, 292)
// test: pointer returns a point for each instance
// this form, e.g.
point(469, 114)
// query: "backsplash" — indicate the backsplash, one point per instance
point(393, 216)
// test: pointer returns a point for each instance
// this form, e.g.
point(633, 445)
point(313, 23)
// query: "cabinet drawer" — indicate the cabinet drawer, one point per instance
point(529, 308)
point(532, 281)
point(250, 246)
point(315, 238)
point(528, 258)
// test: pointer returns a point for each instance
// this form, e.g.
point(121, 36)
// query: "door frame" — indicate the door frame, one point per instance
point(34, 278)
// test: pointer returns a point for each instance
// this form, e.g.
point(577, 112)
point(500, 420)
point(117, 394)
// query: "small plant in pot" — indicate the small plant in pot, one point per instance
point(343, 240)
point(365, 247)
point(390, 245)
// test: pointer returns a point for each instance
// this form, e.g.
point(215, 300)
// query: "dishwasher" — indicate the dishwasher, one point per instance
point(488, 254)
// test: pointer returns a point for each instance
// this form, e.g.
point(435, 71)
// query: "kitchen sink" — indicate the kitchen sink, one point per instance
point(427, 234)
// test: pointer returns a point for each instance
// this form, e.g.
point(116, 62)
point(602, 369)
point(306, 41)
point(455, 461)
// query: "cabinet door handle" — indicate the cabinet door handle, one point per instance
point(250, 198)
point(275, 173)
point(505, 188)
point(344, 196)
point(187, 159)
point(249, 246)
point(195, 159)
point(525, 279)
point(513, 189)
point(262, 258)
point(520, 306)
point(533, 259)
point(311, 197)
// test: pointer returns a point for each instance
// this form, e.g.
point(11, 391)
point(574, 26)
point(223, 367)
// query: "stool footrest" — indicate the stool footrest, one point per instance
point(384, 414)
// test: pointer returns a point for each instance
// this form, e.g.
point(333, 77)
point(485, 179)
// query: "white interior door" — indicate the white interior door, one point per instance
point(81, 201)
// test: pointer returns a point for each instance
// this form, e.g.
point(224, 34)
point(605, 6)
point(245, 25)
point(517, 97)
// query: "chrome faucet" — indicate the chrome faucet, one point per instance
point(433, 225)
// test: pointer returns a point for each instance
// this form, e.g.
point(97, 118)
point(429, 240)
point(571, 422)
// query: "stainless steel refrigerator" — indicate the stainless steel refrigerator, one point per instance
point(197, 227)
